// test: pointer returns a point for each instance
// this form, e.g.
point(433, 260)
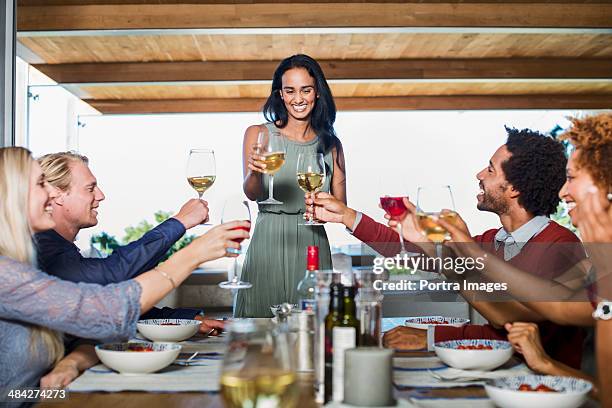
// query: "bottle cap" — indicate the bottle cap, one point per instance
point(312, 258)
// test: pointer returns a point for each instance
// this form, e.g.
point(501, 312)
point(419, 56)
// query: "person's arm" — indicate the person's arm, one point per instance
point(70, 367)
point(521, 285)
point(129, 260)
point(252, 164)
point(100, 312)
point(525, 338)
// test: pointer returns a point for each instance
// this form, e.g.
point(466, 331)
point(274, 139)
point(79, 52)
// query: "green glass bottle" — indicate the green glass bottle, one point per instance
point(332, 320)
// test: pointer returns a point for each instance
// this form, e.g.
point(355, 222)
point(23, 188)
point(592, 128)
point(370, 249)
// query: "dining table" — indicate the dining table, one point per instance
point(98, 399)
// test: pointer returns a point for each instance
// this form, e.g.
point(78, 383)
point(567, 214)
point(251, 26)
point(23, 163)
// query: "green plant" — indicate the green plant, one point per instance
point(106, 243)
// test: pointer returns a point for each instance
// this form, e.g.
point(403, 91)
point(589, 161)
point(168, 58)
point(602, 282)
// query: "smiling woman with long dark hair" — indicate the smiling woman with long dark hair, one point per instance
point(301, 108)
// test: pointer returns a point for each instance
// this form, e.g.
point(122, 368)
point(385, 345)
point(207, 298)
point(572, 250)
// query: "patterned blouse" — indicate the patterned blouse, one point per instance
point(31, 297)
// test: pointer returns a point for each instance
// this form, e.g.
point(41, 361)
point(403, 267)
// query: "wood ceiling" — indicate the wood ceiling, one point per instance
point(140, 56)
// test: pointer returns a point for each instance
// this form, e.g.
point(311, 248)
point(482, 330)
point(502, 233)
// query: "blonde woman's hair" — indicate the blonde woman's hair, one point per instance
point(16, 234)
point(56, 167)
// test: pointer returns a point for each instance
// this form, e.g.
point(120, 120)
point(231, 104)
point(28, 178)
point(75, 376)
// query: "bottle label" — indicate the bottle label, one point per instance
point(308, 305)
point(343, 338)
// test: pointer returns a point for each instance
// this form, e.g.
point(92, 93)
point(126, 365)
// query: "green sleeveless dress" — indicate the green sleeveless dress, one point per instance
point(276, 259)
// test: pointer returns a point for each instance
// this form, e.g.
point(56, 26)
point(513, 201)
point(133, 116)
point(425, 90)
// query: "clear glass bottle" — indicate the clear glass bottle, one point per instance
point(306, 287)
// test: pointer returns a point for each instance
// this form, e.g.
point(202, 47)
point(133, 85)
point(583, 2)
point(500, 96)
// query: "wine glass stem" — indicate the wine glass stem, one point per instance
point(401, 238)
point(271, 189)
point(312, 196)
point(438, 246)
point(235, 270)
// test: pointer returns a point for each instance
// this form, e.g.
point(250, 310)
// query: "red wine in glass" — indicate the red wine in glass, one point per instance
point(239, 240)
point(394, 206)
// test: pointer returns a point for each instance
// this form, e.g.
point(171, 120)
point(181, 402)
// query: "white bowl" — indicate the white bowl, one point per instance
point(474, 359)
point(125, 357)
point(571, 392)
point(423, 322)
point(168, 330)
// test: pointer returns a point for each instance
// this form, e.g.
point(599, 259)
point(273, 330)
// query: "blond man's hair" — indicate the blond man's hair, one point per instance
point(56, 167)
point(16, 233)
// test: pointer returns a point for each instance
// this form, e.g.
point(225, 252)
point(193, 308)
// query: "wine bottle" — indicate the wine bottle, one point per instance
point(333, 319)
point(345, 336)
point(306, 287)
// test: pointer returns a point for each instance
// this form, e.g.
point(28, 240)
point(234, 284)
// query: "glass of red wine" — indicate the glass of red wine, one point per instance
point(394, 206)
point(235, 210)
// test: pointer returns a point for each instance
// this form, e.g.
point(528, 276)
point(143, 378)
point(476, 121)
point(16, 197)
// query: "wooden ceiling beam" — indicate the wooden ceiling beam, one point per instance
point(147, 72)
point(473, 102)
point(337, 14)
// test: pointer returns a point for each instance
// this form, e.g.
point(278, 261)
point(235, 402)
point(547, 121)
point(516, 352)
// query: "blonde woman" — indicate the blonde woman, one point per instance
point(35, 307)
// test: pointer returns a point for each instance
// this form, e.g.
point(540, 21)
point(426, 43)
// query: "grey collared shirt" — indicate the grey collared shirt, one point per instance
point(515, 241)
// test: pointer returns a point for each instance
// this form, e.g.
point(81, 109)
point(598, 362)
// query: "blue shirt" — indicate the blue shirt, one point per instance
point(62, 258)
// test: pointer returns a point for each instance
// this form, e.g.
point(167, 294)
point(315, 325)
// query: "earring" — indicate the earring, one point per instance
point(609, 196)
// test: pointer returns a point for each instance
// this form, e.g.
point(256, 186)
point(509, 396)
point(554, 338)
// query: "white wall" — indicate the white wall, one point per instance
point(140, 160)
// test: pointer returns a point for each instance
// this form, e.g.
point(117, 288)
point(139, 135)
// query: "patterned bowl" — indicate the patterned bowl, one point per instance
point(168, 330)
point(479, 354)
point(137, 358)
point(423, 322)
point(568, 392)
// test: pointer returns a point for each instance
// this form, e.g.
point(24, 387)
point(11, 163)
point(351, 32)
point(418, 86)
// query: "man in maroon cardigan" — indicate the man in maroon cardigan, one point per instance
point(520, 185)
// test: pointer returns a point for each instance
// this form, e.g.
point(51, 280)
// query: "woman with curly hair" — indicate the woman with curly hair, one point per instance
point(587, 192)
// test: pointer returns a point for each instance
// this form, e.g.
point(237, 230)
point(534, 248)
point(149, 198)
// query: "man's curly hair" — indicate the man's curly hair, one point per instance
point(536, 169)
point(592, 137)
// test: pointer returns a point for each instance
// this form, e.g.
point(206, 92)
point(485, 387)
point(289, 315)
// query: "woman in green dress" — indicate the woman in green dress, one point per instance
point(301, 108)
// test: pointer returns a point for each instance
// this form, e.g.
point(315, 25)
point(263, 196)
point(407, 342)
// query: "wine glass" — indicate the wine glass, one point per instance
point(272, 148)
point(395, 208)
point(311, 176)
point(431, 201)
point(201, 173)
point(235, 210)
point(258, 368)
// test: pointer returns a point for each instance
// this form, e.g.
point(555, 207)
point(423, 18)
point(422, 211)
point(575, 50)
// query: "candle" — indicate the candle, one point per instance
point(368, 377)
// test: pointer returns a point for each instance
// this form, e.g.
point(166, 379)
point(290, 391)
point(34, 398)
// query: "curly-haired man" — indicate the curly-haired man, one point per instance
point(520, 184)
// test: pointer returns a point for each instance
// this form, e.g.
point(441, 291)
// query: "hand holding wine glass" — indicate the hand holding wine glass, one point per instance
point(236, 209)
point(268, 159)
point(410, 229)
point(434, 203)
point(311, 176)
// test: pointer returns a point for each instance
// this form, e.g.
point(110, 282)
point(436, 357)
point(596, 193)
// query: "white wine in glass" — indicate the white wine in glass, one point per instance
point(435, 203)
point(311, 176)
point(272, 148)
point(257, 368)
point(201, 170)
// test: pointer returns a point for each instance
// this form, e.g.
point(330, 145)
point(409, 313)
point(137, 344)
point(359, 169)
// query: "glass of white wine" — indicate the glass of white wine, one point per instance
point(201, 170)
point(272, 148)
point(258, 367)
point(311, 176)
point(435, 203)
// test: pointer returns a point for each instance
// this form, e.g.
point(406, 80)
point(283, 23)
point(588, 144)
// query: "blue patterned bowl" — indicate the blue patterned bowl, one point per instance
point(423, 322)
point(570, 392)
point(168, 330)
point(451, 355)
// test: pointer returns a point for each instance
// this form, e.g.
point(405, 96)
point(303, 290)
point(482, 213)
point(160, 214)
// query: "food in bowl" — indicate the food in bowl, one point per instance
point(423, 322)
point(137, 358)
point(538, 391)
point(478, 347)
point(168, 330)
point(538, 388)
point(477, 354)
